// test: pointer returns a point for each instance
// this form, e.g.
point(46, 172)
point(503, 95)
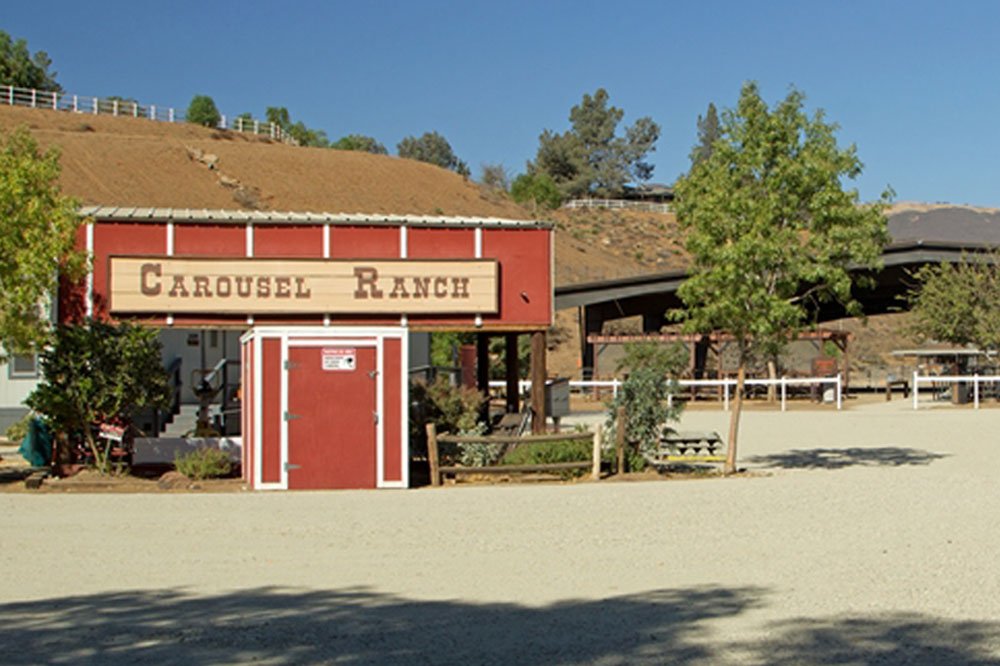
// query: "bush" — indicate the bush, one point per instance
point(544, 453)
point(202, 111)
point(204, 463)
point(18, 430)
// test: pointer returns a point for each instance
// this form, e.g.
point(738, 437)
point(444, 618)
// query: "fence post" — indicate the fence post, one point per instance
point(10, 96)
point(595, 472)
point(432, 454)
point(725, 395)
point(916, 389)
point(840, 393)
point(620, 441)
point(170, 114)
point(784, 392)
point(975, 390)
point(76, 105)
point(34, 97)
point(96, 105)
point(152, 112)
point(135, 109)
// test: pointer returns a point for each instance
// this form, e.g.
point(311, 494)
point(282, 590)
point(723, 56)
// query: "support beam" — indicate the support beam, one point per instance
point(511, 367)
point(483, 363)
point(593, 322)
point(538, 374)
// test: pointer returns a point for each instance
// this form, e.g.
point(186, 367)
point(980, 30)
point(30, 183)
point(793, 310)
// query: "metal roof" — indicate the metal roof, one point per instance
point(134, 214)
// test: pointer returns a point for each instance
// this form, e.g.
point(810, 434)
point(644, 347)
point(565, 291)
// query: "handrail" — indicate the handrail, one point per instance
point(524, 385)
point(975, 380)
point(58, 101)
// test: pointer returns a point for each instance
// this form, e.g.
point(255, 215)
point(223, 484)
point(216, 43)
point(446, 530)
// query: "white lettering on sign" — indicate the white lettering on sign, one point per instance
point(344, 359)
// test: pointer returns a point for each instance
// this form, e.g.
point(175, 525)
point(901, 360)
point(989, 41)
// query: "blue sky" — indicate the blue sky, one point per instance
point(909, 82)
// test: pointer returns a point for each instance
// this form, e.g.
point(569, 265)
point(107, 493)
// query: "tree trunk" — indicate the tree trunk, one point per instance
point(734, 420)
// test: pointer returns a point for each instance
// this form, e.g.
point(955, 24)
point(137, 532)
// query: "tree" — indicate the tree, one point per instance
point(494, 176)
point(305, 136)
point(432, 148)
point(202, 111)
point(537, 189)
point(708, 132)
point(589, 159)
point(360, 142)
point(98, 373)
point(37, 240)
point(960, 303)
point(644, 395)
point(21, 69)
point(770, 228)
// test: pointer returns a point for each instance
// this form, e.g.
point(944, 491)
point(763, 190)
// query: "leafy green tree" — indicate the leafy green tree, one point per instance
point(644, 395)
point(537, 189)
point(360, 142)
point(771, 229)
point(708, 132)
point(37, 236)
point(432, 148)
point(202, 111)
point(98, 373)
point(19, 68)
point(303, 135)
point(958, 303)
point(589, 158)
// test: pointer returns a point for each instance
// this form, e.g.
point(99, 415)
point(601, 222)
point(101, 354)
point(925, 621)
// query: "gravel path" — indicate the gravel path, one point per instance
point(868, 536)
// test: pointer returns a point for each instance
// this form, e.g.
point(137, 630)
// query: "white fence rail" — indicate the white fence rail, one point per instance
point(56, 101)
point(728, 386)
point(975, 380)
point(618, 204)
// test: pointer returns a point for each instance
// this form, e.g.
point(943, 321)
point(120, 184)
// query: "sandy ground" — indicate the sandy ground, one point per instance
point(867, 536)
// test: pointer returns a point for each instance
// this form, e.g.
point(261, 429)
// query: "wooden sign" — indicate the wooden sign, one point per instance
point(302, 286)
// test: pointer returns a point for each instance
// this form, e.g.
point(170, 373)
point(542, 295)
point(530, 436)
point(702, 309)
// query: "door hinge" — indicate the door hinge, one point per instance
point(288, 416)
point(290, 466)
point(291, 365)
point(373, 374)
point(375, 416)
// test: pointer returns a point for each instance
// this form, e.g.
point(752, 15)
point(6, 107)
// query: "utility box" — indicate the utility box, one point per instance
point(557, 397)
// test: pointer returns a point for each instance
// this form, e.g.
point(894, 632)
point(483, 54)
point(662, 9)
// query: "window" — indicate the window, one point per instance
point(23, 366)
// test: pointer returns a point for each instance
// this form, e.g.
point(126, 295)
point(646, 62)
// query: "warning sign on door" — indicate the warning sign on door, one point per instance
point(340, 358)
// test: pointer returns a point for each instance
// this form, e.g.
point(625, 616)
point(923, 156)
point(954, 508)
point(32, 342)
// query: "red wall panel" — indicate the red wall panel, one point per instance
point(210, 240)
point(122, 239)
point(271, 410)
point(364, 242)
point(433, 243)
point(287, 240)
point(525, 275)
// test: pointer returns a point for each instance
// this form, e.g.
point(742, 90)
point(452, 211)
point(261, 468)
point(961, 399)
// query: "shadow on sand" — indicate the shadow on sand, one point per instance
point(280, 626)
point(886, 456)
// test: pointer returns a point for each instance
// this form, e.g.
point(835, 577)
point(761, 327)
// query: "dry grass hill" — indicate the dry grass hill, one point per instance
point(134, 162)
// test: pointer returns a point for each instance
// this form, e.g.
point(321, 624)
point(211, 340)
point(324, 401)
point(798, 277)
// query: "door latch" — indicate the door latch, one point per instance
point(290, 466)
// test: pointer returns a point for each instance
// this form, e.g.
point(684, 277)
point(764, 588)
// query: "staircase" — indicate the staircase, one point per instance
point(183, 422)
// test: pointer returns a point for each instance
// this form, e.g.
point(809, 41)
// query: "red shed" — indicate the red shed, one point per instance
point(325, 303)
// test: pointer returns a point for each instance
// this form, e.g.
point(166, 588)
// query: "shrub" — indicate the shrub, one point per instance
point(202, 111)
point(17, 431)
point(204, 463)
point(543, 453)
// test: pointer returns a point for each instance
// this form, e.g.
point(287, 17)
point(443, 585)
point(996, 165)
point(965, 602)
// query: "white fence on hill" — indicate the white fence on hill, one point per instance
point(56, 101)
point(620, 204)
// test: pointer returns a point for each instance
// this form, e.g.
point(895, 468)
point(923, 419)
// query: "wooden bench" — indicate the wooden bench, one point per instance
point(687, 446)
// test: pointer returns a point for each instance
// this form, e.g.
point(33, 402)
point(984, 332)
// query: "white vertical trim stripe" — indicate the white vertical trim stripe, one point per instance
point(90, 274)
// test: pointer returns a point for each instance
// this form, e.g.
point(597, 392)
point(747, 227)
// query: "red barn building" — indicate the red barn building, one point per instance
point(324, 304)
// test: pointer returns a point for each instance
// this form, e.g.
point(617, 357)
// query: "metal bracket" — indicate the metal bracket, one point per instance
point(373, 374)
point(376, 417)
point(288, 416)
point(290, 365)
point(290, 466)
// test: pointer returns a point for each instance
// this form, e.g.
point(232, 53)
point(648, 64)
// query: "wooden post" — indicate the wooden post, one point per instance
point(511, 366)
point(595, 472)
point(538, 382)
point(432, 454)
point(620, 441)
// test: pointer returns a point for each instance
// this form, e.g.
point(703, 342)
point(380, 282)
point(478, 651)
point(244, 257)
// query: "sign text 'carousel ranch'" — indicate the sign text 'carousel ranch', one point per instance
point(249, 286)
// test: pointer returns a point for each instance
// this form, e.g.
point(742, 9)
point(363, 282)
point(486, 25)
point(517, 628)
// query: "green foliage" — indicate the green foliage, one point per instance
point(360, 142)
point(97, 373)
point(958, 303)
point(769, 226)
point(37, 235)
point(708, 133)
point(202, 111)
point(544, 453)
point(19, 68)
point(205, 462)
point(18, 430)
point(444, 347)
point(644, 395)
point(454, 409)
point(432, 148)
point(589, 159)
point(537, 189)
point(303, 135)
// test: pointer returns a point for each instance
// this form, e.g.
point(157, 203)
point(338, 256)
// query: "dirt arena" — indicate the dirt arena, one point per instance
point(866, 536)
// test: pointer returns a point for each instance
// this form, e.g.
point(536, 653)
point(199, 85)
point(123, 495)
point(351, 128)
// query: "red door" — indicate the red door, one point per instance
point(331, 417)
